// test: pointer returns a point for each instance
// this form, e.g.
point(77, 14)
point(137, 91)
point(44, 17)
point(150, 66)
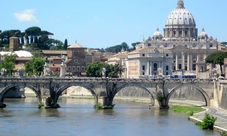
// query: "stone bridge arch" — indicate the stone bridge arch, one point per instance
point(152, 98)
point(6, 89)
point(64, 87)
point(199, 89)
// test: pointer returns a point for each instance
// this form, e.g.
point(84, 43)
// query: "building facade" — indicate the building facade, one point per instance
point(150, 61)
point(181, 36)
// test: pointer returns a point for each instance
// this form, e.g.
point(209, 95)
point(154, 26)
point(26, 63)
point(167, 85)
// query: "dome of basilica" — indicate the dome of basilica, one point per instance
point(157, 34)
point(180, 16)
point(203, 34)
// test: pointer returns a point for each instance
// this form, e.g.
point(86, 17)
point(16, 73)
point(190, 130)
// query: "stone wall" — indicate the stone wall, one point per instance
point(223, 103)
point(187, 93)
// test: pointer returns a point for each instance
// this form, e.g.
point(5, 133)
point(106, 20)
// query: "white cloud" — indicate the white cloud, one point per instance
point(26, 16)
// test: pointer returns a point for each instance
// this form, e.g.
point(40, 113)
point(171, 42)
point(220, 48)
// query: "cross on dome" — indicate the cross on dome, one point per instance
point(180, 4)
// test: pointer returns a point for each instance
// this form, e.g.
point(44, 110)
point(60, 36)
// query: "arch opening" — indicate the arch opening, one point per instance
point(188, 94)
point(135, 93)
point(77, 92)
point(13, 91)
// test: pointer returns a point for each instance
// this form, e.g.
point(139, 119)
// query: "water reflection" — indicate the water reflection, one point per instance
point(78, 117)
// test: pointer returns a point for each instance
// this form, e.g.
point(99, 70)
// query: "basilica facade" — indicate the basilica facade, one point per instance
point(180, 36)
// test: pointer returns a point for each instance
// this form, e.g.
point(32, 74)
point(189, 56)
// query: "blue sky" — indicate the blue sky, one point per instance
point(105, 23)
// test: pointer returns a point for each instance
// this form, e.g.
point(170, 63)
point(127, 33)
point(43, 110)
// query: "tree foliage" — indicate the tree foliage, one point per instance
point(134, 45)
point(33, 36)
point(217, 58)
point(8, 63)
point(65, 44)
point(95, 69)
point(35, 65)
point(118, 48)
point(207, 122)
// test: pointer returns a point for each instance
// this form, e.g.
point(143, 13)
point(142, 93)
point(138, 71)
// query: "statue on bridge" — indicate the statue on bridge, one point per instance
point(159, 72)
point(46, 70)
point(103, 72)
point(20, 72)
point(3, 72)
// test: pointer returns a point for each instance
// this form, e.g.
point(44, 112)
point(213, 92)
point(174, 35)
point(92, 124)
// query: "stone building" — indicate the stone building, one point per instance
point(119, 58)
point(181, 37)
point(150, 61)
point(13, 44)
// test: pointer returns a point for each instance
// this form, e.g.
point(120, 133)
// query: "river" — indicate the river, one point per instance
point(76, 117)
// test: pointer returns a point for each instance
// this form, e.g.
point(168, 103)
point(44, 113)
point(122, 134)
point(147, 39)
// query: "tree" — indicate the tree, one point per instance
point(118, 48)
point(134, 45)
point(8, 63)
point(217, 58)
point(35, 65)
point(65, 44)
point(94, 69)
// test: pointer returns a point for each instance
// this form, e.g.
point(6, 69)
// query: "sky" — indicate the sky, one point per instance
point(105, 23)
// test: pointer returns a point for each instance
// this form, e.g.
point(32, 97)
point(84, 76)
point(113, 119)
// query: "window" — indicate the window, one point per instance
point(69, 68)
point(167, 73)
point(167, 67)
point(193, 66)
point(167, 55)
point(174, 33)
point(82, 68)
point(143, 73)
point(155, 66)
point(179, 57)
point(179, 66)
point(211, 45)
point(180, 33)
point(143, 67)
point(185, 57)
point(78, 68)
point(186, 33)
point(76, 60)
point(143, 55)
point(194, 56)
point(174, 68)
point(73, 68)
point(149, 44)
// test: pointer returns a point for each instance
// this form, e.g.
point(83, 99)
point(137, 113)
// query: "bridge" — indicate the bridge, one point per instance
point(49, 89)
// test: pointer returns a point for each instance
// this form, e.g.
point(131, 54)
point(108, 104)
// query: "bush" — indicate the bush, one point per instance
point(98, 106)
point(159, 97)
point(40, 105)
point(207, 122)
point(191, 113)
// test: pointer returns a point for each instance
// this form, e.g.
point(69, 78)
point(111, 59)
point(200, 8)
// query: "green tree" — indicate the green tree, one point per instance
point(134, 45)
point(94, 69)
point(118, 48)
point(35, 65)
point(65, 44)
point(8, 63)
point(208, 122)
point(217, 58)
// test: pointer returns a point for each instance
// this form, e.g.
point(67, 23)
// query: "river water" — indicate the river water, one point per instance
point(76, 117)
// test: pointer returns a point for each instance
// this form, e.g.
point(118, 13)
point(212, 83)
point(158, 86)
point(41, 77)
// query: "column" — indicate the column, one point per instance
point(188, 63)
point(182, 64)
point(147, 68)
point(151, 68)
point(198, 55)
point(176, 60)
point(139, 69)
